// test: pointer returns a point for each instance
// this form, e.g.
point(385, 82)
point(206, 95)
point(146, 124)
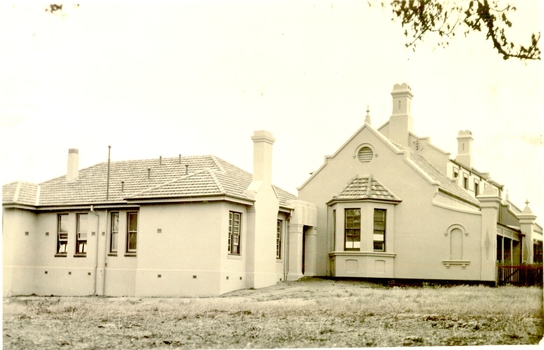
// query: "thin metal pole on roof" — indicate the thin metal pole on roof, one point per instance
point(108, 176)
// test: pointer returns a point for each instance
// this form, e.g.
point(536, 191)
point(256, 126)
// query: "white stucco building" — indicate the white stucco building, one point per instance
point(387, 204)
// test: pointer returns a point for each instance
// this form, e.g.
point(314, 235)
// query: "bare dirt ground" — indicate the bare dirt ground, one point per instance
point(311, 313)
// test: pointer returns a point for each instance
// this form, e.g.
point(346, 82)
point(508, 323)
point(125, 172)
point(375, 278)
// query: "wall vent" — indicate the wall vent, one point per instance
point(365, 154)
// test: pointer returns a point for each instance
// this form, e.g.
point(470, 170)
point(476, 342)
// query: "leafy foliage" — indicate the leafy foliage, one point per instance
point(421, 17)
point(445, 18)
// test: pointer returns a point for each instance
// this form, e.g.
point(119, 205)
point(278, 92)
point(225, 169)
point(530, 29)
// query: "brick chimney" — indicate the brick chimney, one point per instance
point(464, 148)
point(72, 170)
point(401, 122)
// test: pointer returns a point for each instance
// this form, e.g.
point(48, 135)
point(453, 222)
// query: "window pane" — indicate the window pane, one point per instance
point(132, 241)
point(378, 237)
point(379, 215)
point(115, 222)
point(113, 244)
point(379, 246)
point(62, 247)
point(114, 232)
point(82, 223)
point(278, 239)
point(352, 231)
point(234, 233)
point(63, 223)
point(132, 222)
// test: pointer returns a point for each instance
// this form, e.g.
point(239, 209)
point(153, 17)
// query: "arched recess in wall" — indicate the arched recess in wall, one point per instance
point(365, 153)
point(456, 234)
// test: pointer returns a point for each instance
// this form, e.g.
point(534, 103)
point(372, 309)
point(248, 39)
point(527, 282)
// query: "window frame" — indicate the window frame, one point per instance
point(354, 230)
point(279, 234)
point(383, 231)
point(114, 233)
point(130, 233)
point(81, 243)
point(235, 243)
point(60, 253)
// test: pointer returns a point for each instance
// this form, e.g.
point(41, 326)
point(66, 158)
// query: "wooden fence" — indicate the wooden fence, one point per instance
point(520, 275)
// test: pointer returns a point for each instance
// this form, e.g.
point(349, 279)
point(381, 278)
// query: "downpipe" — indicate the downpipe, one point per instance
point(96, 250)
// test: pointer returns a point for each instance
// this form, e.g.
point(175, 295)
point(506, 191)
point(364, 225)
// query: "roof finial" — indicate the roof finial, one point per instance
point(367, 118)
point(527, 202)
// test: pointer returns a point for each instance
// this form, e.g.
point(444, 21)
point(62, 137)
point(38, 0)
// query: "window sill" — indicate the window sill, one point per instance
point(363, 253)
point(112, 254)
point(61, 255)
point(80, 255)
point(235, 257)
point(130, 254)
point(463, 263)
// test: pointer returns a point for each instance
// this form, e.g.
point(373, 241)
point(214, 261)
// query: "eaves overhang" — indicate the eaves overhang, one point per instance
point(360, 200)
point(192, 199)
point(66, 207)
point(11, 205)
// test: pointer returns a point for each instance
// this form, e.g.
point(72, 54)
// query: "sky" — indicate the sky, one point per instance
point(199, 77)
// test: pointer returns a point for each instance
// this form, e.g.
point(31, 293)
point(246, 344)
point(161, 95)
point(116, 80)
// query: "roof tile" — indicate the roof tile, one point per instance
point(171, 177)
point(366, 188)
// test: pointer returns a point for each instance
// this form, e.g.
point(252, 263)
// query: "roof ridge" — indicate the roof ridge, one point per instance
point(216, 180)
point(216, 161)
point(38, 190)
point(369, 188)
point(167, 182)
point(17, 191)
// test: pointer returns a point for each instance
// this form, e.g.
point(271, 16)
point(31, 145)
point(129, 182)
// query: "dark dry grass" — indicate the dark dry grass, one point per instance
point(310, 313)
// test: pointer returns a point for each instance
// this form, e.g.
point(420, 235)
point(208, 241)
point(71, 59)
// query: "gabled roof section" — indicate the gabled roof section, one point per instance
point(366, 188)
point(178, 177)
point(379, 135)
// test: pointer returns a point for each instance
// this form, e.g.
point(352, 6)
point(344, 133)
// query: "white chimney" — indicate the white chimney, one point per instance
point(262, 156)
point(72, 172)
point(464, 148)
point(401, 122)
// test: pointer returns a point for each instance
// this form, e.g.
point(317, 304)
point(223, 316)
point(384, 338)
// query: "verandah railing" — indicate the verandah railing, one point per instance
point(521, 275)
